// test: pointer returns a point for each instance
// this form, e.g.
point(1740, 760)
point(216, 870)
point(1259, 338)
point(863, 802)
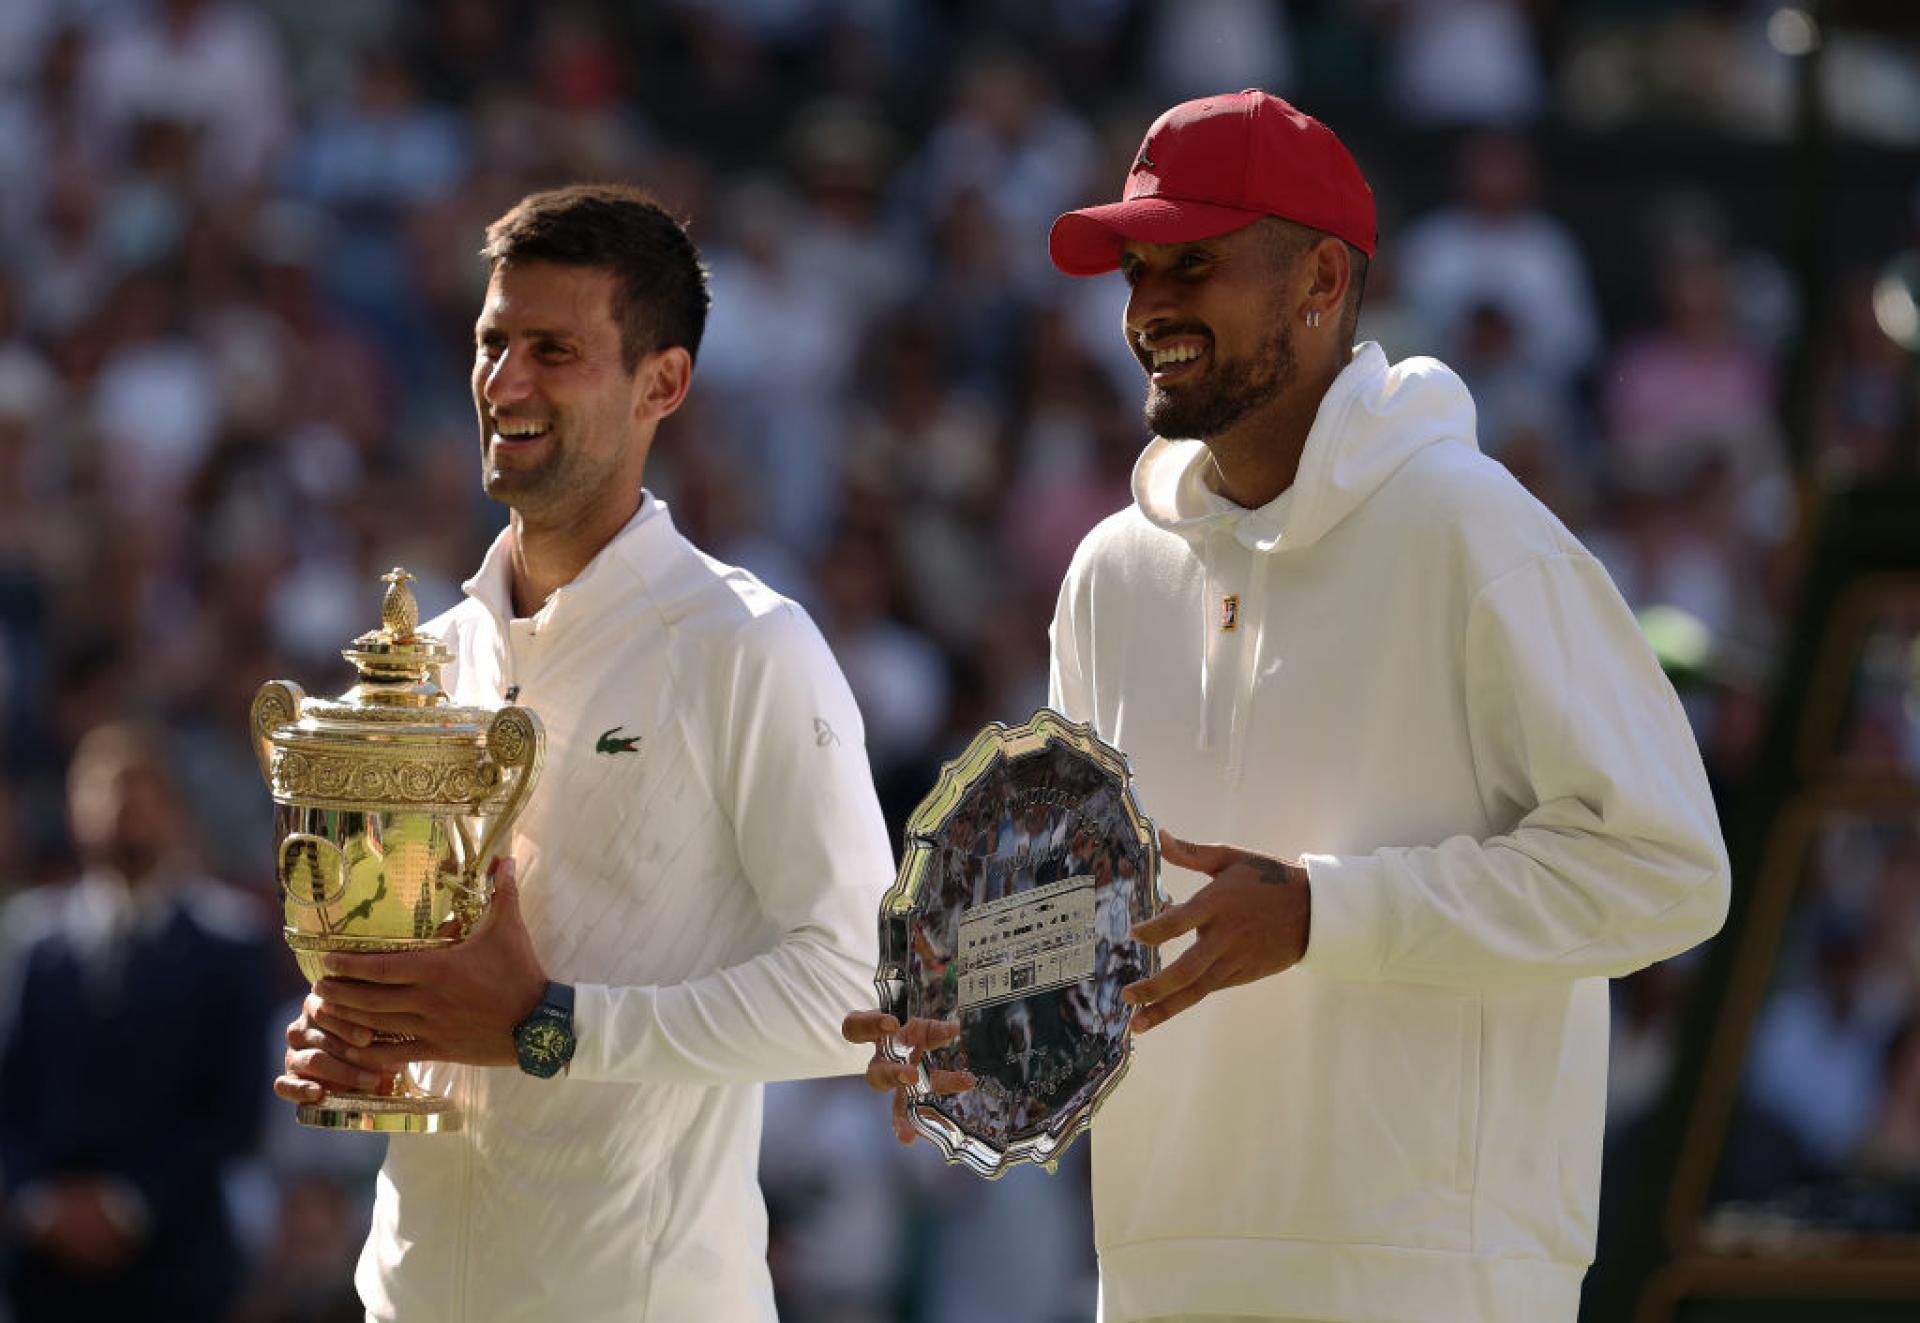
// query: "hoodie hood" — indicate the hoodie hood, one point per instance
point(1374, 418)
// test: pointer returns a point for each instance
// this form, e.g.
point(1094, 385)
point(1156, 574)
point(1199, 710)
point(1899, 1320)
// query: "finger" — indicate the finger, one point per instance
point(1189, 969)
point(886, 1076)
point(1146, 1017)
point(368, 967)
point(382, 1058)
point(902, 1124)
point(1208, 859)
point(357, 1001)
point(313, 1037)
point(923, 1033)
point(506, 888)
point(1168, 924)
point(950, 1081)
point(296, 1090)
point(324, 1068)
point(868, 1026)
point(319, 1015)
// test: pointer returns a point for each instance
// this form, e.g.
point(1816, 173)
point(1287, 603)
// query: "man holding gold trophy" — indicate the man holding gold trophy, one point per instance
point(684, 904)
point(1459, 793)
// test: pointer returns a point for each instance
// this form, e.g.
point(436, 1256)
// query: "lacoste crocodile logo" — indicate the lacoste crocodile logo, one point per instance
point(612, 741)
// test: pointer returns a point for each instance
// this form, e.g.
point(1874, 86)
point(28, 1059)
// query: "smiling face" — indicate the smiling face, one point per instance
point(1209, 323)
point(563, 421)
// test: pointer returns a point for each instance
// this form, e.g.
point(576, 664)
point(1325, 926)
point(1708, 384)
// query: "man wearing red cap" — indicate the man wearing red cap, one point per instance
point(1460, 793)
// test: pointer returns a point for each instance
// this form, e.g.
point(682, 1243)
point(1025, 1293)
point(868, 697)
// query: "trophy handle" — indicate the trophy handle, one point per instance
point(516, 743)
point(277, 704)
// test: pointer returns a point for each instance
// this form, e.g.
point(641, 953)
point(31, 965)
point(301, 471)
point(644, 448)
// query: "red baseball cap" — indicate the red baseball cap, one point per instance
point(1210, 166)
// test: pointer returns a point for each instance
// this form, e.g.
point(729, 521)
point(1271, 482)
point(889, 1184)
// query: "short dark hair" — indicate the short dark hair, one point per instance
point(660, 295)
point(1288, 240)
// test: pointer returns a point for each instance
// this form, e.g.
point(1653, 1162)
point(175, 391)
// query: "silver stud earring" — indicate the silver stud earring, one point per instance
point(1313, 318)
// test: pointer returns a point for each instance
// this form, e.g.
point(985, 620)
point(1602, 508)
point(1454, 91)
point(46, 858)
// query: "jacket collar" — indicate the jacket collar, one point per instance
point(596, 586)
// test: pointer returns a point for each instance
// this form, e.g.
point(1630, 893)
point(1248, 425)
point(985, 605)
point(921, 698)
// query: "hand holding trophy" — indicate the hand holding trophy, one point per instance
point(391, 804)
point(1005, 944)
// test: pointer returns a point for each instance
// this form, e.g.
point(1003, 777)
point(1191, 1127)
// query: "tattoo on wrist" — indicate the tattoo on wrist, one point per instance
point(1270, 871)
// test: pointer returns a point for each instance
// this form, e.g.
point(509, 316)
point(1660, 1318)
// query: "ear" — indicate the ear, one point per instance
point(1328, 269)
point(661, 383)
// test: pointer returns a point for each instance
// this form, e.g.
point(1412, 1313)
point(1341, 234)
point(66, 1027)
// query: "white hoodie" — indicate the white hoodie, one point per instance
point(1434, 697)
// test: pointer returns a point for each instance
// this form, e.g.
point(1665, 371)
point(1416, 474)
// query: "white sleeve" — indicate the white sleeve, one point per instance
point(790, 769)
point(1614, 857)
point(1067, 691)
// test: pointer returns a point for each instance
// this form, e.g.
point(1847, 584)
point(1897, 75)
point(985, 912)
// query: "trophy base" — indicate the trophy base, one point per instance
point(376, 1114)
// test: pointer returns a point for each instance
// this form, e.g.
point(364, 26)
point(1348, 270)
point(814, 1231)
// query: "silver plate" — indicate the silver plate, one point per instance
point(1024, 869)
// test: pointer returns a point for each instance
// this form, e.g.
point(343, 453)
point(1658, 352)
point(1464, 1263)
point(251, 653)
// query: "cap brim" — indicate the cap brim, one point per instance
point(1088, 242)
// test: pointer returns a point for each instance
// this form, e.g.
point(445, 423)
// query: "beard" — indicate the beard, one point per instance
point(1207, 408)
point(565, 481)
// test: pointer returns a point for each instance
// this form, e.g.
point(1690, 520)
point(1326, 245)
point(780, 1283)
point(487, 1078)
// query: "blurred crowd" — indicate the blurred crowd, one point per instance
point(238, 272)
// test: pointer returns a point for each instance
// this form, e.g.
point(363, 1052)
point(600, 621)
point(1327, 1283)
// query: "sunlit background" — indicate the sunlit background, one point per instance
point(1672, 245)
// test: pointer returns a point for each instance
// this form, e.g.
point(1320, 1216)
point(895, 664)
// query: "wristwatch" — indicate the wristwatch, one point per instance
point(544, 1040)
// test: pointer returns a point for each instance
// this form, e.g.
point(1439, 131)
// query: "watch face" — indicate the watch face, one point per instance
point(545, 1047)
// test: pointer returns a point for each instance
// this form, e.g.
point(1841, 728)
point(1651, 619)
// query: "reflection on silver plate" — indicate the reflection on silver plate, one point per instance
point(1024, 869)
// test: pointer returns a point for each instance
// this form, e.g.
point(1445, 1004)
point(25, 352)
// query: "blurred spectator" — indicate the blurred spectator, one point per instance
point(923, 454)
point(779, 343)
point(897, 675)
point(1200, 46)
point(1891, 1147)
point(1818, 1051)
point(837, 1207)
point(1523, 421)
point(1454, 62)
point(1696, 385)
point(1868, 392)
point(317, 1234)
point(210, 66)
point(1646, 1010)
point(157, 402)
point(1074, 443)
point(1675, 539)
point(1496, 248)
point(381, 151)
point(116, 1207)
point(1009, 140)
point(1031, 1226)
point(843, 151)
point(68, 254)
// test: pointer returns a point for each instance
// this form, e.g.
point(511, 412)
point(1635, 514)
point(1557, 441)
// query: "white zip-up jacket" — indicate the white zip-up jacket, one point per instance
point(703, 858)
point(1434, 696)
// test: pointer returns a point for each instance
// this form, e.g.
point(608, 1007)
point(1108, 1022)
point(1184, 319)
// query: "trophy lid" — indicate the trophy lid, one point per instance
point(398, 666)
point(395, 736)
point(399, 691)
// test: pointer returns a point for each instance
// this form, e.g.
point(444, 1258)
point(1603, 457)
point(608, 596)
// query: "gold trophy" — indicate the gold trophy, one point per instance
point(390, 805)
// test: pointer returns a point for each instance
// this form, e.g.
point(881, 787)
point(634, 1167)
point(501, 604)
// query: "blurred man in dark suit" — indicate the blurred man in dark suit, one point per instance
point(113, 1136)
